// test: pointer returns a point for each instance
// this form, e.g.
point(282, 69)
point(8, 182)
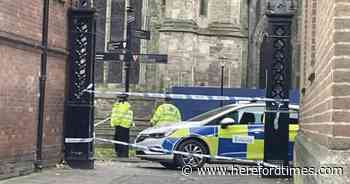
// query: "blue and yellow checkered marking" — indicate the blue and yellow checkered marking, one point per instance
point(209, 135)
point(204, 131)
point(230, 149)
point(169, 143)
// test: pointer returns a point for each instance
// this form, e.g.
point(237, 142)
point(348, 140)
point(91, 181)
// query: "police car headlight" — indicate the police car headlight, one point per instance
point(157, 135)
point(162, 134)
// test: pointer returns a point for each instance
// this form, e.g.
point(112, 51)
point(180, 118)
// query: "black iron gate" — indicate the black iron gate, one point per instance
point(277, 57)
point(79, 105)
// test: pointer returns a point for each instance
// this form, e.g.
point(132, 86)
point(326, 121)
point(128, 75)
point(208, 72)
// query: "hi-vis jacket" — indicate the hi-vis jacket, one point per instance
point(122, 115)
point(166, 113)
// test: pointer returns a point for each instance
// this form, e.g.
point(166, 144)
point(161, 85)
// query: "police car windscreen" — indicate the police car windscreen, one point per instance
point(209, 114)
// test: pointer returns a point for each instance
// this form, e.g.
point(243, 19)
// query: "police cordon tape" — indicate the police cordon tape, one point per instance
point(86, 140)
point(188, 97)
point(101, 122)
point(279, 102)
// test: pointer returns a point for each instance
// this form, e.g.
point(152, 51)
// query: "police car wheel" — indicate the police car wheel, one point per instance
point(169, 165)
point(194, 147)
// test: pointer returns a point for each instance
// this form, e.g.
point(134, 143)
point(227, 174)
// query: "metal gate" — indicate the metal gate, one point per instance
point(277, 55)
point(79, 106)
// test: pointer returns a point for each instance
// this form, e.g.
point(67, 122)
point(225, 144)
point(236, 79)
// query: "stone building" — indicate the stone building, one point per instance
point(20, 52)
point(196, 34)
point(324, 137)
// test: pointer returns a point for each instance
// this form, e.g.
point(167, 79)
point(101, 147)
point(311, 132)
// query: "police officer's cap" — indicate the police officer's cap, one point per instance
point(123, 96)
point(167, 99)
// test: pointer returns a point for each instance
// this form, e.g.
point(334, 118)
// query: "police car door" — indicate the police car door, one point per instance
point(245, 138)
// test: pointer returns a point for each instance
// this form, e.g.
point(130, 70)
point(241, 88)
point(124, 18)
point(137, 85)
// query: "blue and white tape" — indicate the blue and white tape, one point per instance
point(101, 122)
point(188, 97)
point(78, 140)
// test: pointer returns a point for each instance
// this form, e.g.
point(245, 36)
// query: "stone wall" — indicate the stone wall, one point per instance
point(324, 137)
point(194, 42)
point(20, 40)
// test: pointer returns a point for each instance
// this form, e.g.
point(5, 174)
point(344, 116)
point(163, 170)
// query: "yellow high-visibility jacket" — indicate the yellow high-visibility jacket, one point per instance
point(122, 115)
point(166, 113)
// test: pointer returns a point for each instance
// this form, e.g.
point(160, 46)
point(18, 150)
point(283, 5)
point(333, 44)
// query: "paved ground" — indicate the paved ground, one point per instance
point(132, 173)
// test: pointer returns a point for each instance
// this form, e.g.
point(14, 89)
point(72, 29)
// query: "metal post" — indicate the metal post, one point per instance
point(222, 84)
point(277, 57)
point(222, 60)
point(79, 105)
point(122, 134)
point(42, 84)
point(130, 19)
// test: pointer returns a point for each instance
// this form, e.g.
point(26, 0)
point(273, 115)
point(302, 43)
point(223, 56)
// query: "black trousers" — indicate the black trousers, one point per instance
point(121, 134)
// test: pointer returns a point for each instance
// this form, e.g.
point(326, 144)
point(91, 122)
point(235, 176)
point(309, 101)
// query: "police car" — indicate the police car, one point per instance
point(235, 130)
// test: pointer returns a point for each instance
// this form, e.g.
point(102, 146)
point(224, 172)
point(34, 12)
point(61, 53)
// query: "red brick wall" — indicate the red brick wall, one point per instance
point(324, 137)
point(326, 98)
point(23, 18)
point(20, 37)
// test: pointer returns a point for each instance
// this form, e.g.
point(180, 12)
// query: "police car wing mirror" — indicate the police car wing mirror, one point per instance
point(227, 122)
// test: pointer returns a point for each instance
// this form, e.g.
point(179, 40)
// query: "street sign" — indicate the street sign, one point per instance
point(106, 56)
point(116, 45)
point(153, 58)
point(142, 58)
point(135, 57)
point(142, 34)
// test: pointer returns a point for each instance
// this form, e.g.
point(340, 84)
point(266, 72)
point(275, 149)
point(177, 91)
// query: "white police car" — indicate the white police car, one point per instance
point(235, 130)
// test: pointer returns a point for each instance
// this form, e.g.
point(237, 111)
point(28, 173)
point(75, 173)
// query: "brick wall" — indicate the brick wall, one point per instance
point(324, 138)
point(20, 38)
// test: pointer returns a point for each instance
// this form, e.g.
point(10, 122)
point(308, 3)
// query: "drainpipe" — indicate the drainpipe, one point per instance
point(42, 84)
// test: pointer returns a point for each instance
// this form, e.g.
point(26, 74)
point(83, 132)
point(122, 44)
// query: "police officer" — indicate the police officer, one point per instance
point(122, 120)
point(166, 113)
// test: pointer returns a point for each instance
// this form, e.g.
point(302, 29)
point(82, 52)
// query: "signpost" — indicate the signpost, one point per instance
point(121, 51)
point(141, 58)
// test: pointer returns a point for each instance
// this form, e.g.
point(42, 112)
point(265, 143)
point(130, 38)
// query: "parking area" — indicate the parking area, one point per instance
point(112, 172)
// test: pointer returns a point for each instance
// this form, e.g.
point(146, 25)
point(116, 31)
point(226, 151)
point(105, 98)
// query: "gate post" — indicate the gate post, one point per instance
point(277, 57)
point(79, 105)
